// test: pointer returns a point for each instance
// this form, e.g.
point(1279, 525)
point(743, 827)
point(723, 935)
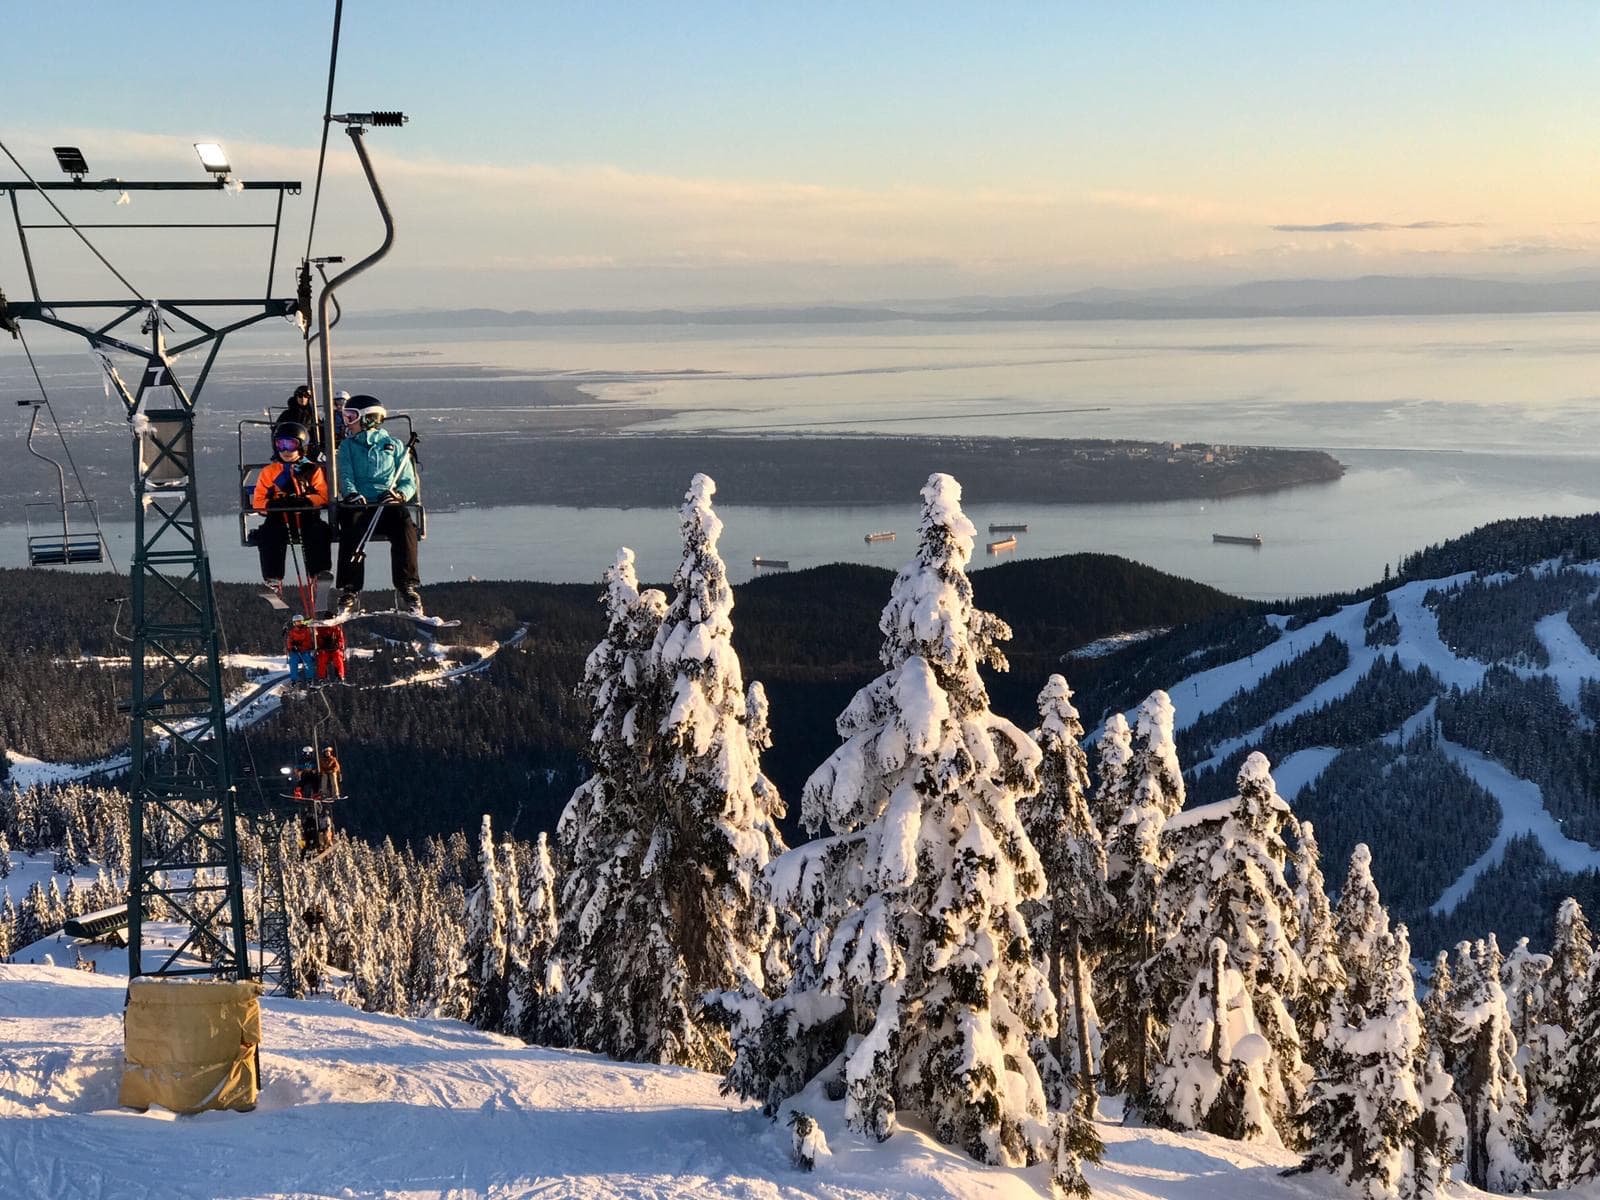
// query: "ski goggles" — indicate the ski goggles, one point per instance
point(284, 445)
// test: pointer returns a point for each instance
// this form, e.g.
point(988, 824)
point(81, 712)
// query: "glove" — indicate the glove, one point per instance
point(353, 498)
point(284, 502)
point(393, 497)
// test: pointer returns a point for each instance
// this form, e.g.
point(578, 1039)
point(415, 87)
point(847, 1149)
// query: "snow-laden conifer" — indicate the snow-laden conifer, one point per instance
point(1359, 918)
point(715, 809)
point(928, 994)
point(1364, 1105)
point(535, 989)
point(1136, 864)
point(1437, 1133)
point(1571, 956)
point(1226, 885)
point(1555, 1097)
point(486, 936)
point(1579, 1098)
point(667, 842)
point(1522, 977)
point(1487, 1080)
point(1113, 752)
point(1077, 904)
point(603, 831)
point(1317, 943)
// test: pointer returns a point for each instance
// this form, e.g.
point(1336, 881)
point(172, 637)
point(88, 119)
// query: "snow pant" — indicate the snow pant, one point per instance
point(299, 666)
point(331, 783)
point(305, 528)
point(330, 664)
point(394, 523)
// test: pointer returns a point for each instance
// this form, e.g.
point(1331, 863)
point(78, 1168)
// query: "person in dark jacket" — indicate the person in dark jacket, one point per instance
point(377, 480)
point(301, 408)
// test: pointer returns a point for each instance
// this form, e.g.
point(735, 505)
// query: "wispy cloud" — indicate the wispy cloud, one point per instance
point(1373, 226)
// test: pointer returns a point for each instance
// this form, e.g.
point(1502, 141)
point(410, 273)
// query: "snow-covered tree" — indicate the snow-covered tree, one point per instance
point(1136, 864)
point(666, 843)
point(486, 936)
point(1554, 1095)
point(1058, 822)
point(538, 980)
point(602, 832)
point(1365, 1105)
point(1114, 751)
point(1487, 1081)
point(928, 994)
point(1226, 886)
point(1577, 1097)
point(1360, 918)
point(723, 809)
point(1212, 1074)
point(8, 926)
point(1317, 944)
point(1437, 1133)
point(1522, 977)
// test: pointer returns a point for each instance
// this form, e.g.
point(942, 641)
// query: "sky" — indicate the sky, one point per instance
point(625, 155)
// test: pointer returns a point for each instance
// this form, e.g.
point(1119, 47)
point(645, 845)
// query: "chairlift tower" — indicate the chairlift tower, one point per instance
point(185, 849)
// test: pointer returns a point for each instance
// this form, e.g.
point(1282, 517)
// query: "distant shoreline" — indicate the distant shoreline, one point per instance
point(785, 470)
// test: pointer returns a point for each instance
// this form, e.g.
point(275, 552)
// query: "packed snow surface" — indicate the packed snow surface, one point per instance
point(359, 1104)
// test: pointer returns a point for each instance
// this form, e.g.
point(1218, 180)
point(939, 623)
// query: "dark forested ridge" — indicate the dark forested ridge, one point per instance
point(510, 740)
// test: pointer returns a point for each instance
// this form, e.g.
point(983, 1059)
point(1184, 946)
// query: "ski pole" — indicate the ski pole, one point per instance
point(359, 554)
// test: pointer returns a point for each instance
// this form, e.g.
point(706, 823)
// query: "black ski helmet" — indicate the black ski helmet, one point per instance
point(368, 406)
point(291, 429)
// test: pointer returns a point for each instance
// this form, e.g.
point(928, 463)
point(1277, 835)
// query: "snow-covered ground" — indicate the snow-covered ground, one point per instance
point(363, 1105)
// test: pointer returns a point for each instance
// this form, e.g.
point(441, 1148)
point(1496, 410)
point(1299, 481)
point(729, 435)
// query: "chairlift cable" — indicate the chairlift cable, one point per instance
point(81, 235)
point(66, 446)
point(327, 121)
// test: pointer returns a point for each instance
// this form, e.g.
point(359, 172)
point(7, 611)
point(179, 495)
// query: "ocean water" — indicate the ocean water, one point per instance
point(1443, 424)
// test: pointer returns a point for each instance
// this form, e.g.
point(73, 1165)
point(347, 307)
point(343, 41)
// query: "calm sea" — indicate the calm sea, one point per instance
point(1444, 424)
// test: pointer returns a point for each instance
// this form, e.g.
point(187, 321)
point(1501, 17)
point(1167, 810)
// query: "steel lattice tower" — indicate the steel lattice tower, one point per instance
point(185, 850)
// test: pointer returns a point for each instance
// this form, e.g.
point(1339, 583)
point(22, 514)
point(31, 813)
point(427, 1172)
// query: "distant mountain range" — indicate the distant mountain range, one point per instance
point(1371, 295)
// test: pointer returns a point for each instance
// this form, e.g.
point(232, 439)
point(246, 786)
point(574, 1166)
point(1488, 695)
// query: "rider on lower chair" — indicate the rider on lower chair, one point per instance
point(376, 482)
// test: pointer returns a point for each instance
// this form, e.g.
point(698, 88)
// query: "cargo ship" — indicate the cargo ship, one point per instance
point(1237, 539)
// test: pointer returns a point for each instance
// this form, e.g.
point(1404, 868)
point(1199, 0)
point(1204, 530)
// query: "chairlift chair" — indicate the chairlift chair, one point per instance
point(64, 546)
point(256, 431)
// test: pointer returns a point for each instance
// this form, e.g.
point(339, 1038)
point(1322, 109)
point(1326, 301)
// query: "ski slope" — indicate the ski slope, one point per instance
point(357, 1105)
point(1521, 804)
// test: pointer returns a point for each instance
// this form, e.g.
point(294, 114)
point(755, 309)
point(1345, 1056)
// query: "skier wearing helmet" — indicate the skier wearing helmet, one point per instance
point(288, 493)
point(376, 482)
point(301, 409)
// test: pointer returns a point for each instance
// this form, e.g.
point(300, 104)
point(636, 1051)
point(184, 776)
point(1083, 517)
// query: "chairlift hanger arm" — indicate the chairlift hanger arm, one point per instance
point(292, 187)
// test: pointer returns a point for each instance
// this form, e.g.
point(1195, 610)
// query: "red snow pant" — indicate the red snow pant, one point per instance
point(330, 663)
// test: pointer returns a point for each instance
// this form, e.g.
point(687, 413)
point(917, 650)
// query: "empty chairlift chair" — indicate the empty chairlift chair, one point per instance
point(54, 539)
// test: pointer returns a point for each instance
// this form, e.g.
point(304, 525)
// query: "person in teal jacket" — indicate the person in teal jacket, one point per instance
point(377, 479)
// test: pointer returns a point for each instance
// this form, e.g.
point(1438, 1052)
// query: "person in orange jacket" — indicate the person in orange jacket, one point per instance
point(330, 652)
point(300, 643)
point(292, 493)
